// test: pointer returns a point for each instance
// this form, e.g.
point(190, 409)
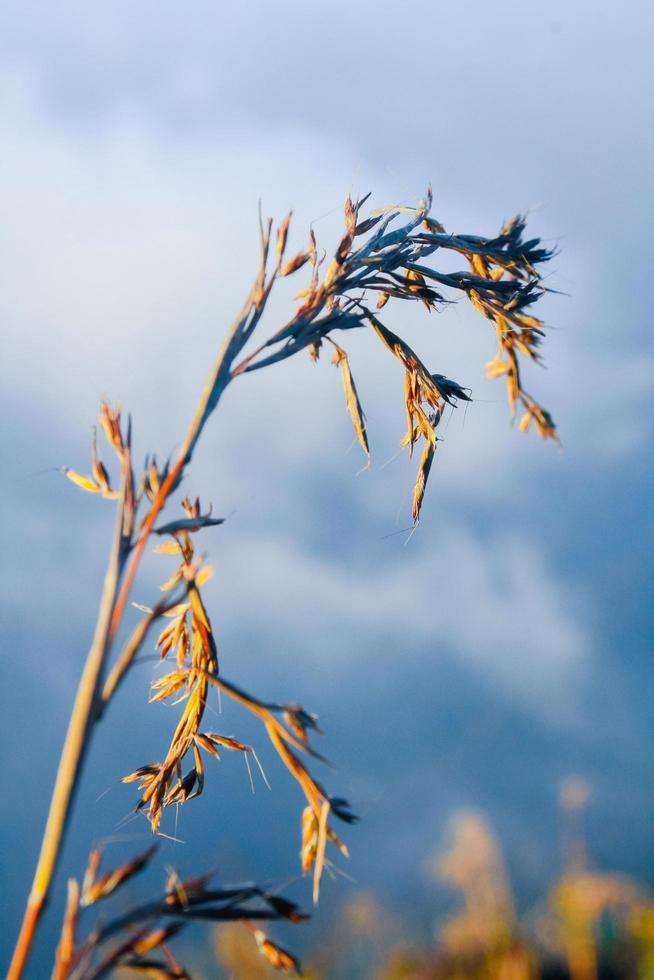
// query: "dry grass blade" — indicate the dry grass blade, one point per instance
point(352, 398)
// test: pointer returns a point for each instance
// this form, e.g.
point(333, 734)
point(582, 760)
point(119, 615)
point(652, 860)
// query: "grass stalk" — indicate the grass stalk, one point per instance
point(502, 284)
point(89, 702)
point(76, 744)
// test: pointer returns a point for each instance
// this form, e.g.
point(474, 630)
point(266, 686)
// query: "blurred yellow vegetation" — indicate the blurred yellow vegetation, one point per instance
point(590, 925)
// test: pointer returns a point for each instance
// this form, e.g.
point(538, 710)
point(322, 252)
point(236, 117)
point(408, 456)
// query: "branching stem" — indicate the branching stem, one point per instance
point(502, 284)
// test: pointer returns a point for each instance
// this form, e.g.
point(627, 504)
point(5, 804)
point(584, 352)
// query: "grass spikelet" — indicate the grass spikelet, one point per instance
point(352, 398)
point(426, 460)
point(94, 889)
point(280, 958)
point(309, 847)
point(85, 482)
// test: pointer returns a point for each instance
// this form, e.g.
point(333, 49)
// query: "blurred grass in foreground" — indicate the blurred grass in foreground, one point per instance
point(589, 925)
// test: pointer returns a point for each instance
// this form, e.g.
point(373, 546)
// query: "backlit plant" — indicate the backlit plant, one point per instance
point(388, 255)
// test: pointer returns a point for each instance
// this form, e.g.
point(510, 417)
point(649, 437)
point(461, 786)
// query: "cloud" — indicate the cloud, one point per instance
point(136, 143)
point(495, 604)
point(128, 253)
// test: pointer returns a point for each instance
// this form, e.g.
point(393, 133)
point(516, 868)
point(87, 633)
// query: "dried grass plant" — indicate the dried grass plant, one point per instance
point(381, 257)
point(589, 924)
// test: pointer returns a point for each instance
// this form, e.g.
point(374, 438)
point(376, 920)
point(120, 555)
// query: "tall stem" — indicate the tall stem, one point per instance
point(75, 747)
point(88, 702)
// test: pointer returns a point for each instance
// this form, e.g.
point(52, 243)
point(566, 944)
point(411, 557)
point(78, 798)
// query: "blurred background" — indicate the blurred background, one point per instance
point(502, 650)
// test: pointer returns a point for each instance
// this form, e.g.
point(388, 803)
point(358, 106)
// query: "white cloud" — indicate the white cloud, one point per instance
point(126, 254)
point(495, 604)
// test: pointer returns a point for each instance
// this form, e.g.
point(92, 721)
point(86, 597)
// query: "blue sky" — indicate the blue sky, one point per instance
point(508, 644)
